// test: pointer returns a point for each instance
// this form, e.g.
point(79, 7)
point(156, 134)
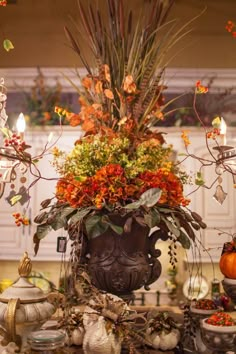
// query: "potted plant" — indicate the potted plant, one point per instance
point(120, 181)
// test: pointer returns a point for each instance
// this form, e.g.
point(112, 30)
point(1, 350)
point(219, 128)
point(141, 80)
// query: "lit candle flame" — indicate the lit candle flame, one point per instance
point(20, 125)
point(223, 128)
point(50, 136)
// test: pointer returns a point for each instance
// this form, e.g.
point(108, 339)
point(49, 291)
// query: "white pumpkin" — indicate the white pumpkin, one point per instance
point(169, 340)
point(77, 336)
point(154, 339)
point(98, 341)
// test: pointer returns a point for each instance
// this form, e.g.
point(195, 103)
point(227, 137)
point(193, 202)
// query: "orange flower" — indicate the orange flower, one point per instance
point(107, 73)
point(47, 116)
point(98, 87)
point(82, 101)
point(185, 138)
point(88, 125)
point(129, 85)
point(58, 110)
point(170, 185)
point(109, 94)
point(87, 82)
point(159, 115)
point(74, 119)
point(200, 88)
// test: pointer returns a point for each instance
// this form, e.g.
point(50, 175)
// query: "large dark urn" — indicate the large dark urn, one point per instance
point(119, 264)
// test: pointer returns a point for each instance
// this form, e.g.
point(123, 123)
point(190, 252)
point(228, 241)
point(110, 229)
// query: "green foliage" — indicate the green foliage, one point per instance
point(91, 154)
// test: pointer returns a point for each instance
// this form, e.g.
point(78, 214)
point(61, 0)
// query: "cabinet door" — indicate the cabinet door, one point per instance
point(44, 189)
point(218, 217)
point(13, 239)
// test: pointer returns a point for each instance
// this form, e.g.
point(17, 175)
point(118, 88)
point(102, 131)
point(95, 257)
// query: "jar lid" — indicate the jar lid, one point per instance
point(46, 339)
point(22, 289)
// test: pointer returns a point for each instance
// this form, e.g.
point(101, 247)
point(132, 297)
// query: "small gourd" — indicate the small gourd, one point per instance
point(169, 340)
point(228, 264)
point(164, 340)
point(154, 339)
point(77, 336)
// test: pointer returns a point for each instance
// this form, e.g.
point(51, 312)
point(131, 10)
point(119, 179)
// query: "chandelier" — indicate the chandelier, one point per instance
point(225, 162)
point(12, 157)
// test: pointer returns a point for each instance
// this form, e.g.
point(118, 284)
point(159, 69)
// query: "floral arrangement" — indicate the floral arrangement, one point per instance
point(209, 106)
point(121, 165)
point(40, 103)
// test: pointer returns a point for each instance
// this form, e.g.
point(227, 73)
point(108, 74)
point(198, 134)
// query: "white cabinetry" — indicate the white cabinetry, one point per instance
point(15, 240)
point(217, 216)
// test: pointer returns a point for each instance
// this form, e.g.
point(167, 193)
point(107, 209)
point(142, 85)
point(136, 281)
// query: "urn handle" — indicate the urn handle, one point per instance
point(11, 335)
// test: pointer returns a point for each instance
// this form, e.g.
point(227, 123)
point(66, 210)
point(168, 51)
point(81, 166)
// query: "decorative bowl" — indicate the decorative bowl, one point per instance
point(197, 315)
point(201, 312)
point(219, 339)
point(229, 286)
point(202, 308)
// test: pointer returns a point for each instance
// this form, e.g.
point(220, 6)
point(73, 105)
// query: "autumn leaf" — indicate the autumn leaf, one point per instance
point(7, 45)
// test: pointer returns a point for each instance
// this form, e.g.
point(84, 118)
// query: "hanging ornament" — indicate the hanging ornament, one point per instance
point(10, 196)
point(24, 195)
point(61, 244)
point(220, 194)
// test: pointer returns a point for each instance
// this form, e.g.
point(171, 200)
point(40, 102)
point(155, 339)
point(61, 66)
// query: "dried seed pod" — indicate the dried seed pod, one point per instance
point(40, 218)
point(51, 219)
point(196, 216)
point(188, 217)
point(202, 225)
point(45, 203)
point(195, 226)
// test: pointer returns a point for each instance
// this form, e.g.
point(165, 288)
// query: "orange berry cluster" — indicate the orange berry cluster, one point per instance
point(221, 319)
point(15, 141)
point(200, 88)
point(20, 219)
point(231, 28)
point(3, 2)
point(213, 133)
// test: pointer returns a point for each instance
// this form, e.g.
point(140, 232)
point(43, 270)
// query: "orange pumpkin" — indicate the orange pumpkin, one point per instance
point(228, 264)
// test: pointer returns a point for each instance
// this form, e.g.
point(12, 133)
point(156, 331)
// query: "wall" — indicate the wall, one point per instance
point(36, 29)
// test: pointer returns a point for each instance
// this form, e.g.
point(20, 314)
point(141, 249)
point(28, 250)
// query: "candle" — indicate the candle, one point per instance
point(20, 126)
point(223, 128)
